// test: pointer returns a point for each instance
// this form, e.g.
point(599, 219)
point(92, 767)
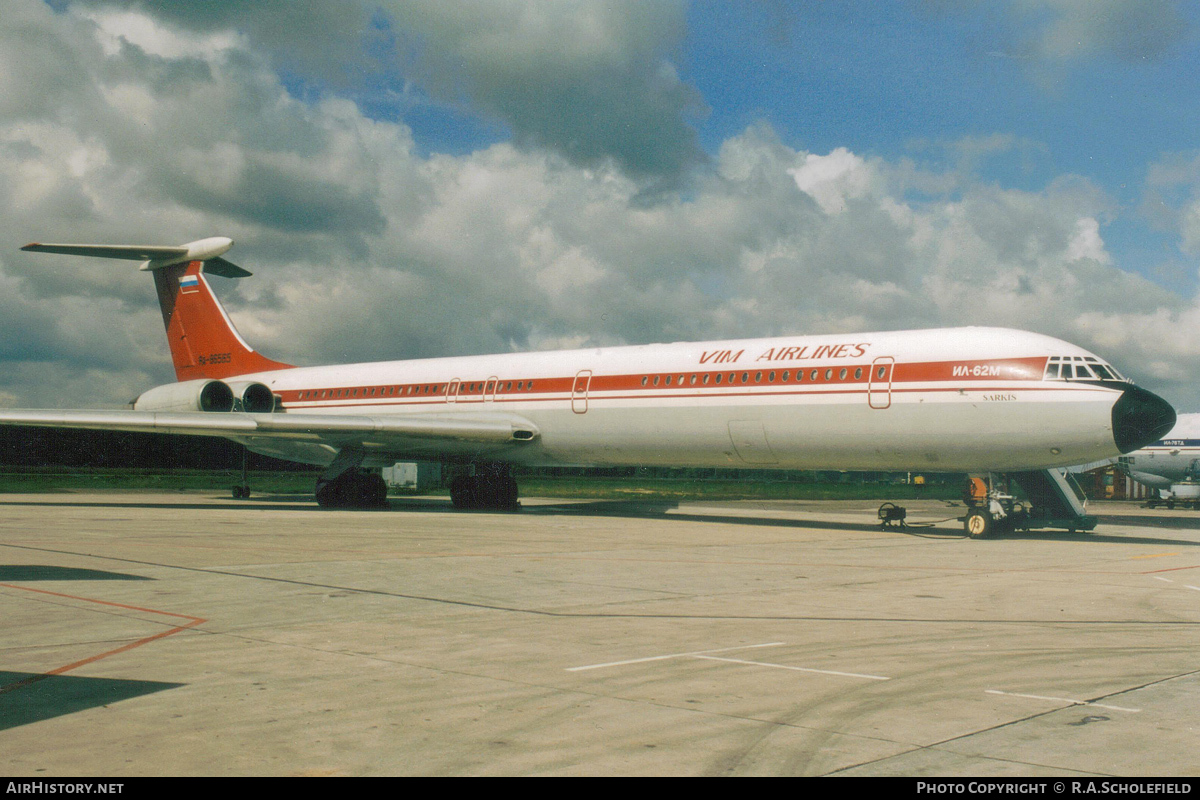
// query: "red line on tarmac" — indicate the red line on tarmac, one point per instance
point(193, 622)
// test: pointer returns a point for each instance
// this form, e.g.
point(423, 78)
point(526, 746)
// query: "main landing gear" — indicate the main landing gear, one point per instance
point(241, 491)
point(345, 484)
point(353, 489)
point(489, 487)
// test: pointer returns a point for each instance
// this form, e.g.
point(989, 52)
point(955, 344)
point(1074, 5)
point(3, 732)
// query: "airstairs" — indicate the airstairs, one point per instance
point(1051, 499)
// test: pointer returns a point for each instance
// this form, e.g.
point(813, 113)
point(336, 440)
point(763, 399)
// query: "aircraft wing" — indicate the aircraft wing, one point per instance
point(333, 429)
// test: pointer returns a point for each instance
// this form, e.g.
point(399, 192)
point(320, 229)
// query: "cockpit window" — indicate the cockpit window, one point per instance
point(1079, 368)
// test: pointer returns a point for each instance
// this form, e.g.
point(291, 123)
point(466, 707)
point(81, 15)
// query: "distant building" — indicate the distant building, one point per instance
point(1106, 482)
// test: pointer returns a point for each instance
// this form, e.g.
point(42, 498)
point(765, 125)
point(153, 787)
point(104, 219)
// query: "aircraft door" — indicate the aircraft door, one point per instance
point(879, 385)
point(579, 391)
point(489, 389)
point(452, 391)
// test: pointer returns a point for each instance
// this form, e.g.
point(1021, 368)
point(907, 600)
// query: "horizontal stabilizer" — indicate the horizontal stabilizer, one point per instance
point(207, 250)
point(127, 252)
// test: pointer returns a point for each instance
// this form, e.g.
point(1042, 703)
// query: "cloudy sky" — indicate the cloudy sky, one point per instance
point(413, 178)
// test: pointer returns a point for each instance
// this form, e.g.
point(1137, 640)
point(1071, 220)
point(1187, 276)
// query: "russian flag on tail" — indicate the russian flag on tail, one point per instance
point(189, 284)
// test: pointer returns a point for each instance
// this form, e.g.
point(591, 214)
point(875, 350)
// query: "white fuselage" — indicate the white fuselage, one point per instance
point(967, 399)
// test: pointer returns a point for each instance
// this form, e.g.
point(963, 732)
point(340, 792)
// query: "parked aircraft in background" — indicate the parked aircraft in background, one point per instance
point(949, 400)
point(1171, 465)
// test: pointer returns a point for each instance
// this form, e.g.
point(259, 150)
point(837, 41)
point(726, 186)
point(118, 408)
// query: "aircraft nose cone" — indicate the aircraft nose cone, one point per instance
point(1140, 418)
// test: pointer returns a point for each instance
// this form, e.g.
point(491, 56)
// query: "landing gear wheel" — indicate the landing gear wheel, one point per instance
point(485, 490)
point(460, 492)
point(979, 524)
point(353, 489)
point(241, 492)
point(373, 491)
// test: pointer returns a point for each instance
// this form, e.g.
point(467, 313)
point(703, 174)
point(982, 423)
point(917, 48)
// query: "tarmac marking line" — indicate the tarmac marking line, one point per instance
point(192, 622)
point(1168, 580)
point(1067, 700)
point(670, 656)
point(797, 669)
point(1171, 569)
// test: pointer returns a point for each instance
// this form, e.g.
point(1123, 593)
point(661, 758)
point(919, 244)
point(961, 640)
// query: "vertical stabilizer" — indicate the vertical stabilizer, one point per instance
point(204, 343)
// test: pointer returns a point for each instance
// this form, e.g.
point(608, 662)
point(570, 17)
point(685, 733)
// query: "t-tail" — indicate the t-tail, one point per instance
point(203, 340)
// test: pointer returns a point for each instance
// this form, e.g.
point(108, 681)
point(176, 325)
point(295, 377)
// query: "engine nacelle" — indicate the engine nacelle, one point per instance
point(252, 396)
point(198, 395)
point(1153, 481)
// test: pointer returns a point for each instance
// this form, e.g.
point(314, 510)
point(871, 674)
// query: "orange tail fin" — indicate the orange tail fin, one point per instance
point(204, 343)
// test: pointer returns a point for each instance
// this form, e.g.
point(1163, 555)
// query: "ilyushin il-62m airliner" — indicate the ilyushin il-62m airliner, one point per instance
point(974, 400)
